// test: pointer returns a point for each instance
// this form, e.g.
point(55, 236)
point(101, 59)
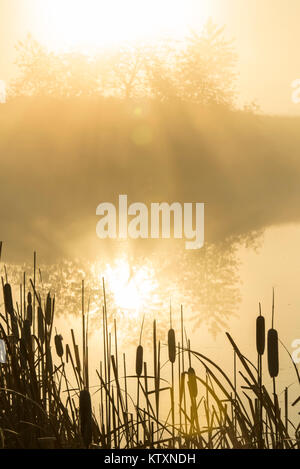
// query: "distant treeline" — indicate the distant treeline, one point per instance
point(201, 69)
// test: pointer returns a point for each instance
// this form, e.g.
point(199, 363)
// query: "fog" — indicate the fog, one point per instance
point(61, 159)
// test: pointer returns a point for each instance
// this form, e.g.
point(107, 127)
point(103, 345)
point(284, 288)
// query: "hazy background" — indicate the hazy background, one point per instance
point(61, 157)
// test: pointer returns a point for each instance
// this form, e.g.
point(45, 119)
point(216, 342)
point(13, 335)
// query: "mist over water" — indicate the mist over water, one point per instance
point(72, 155)
point(67, 159)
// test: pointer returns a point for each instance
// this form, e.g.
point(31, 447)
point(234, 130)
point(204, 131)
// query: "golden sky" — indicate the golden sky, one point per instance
point(266, 32)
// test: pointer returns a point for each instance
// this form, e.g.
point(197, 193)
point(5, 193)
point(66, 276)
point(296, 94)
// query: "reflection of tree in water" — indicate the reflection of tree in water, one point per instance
point(208, 283)
point(215, 286)
point(205, 282)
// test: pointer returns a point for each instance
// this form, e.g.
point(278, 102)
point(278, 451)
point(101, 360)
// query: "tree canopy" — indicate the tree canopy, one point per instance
point(200, 69)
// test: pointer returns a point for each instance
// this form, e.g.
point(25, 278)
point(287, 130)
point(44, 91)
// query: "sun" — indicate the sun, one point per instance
point(131, 287)
point(91, 24)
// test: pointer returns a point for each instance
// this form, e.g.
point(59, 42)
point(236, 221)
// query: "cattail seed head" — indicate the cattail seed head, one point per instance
point(172, 345)
point(139, 360)
point(14, 327)
point(85, 410)
point(48, 310)
point(29, 298)
point(29, 308)
point(59, 346)
point(23, 353)
point(192, 382)
point(49, 361)
point(9, 308)
point(273, 357)
point(41, 328)
point(8, 301)
point(29, 313)
point(260, 335)
point(26, 332)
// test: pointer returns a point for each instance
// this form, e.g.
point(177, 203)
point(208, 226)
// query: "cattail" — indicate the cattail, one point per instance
point(48, 310)
point(139, 360)
point(85, 410)
point(192, 382)
point(29, 298)
point(59, 346)
point(9, 308)
point(49, 360)
point(8, 301)
point(23, 353)
point(29, 308)
point(26, 332)
point(140, 354)
point(41, 329)
point(172, 345)
point(14, 327)
point(29, 314)
point(273, 358)
point(260, 334)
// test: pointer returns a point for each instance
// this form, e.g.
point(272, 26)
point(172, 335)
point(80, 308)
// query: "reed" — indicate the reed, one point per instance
point(46, 402)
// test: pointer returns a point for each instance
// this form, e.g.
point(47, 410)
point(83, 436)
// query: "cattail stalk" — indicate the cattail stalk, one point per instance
point(172, 359)
point(139, 370)
point(260, 347)
point(273, 362)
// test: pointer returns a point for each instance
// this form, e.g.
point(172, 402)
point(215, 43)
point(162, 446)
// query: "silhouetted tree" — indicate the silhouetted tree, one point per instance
point(200, 69)
point(128, 72)
point(206, 68)
point(44, 73)
point(38, 70)
point(161, 70)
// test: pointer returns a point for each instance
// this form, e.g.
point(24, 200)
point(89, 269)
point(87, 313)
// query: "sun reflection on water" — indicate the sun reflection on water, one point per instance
point(206, 285)
point(133, 288)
